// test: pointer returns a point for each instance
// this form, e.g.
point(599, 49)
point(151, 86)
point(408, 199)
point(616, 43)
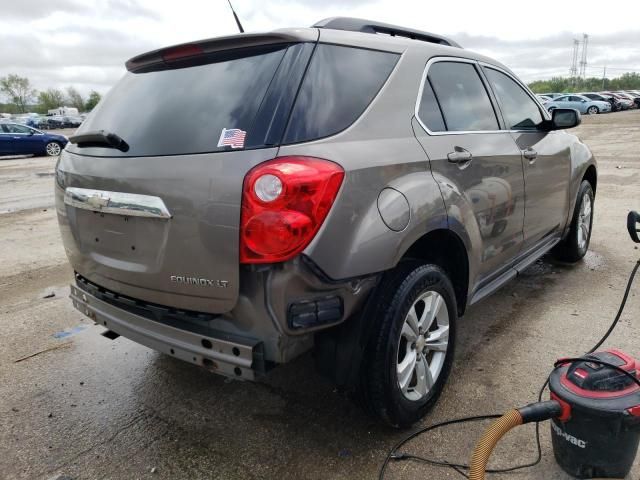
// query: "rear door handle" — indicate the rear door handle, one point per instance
point(460, 156)
point(530, 154)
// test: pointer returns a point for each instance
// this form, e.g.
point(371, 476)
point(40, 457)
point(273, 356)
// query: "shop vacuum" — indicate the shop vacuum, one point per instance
point(594, 409)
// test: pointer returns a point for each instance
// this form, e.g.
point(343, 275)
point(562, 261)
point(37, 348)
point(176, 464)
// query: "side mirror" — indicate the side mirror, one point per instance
point(562, 118)
point(583, 101)
point(30, 132)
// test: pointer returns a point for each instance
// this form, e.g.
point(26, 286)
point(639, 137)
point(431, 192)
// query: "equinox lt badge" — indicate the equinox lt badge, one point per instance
point(203, 282)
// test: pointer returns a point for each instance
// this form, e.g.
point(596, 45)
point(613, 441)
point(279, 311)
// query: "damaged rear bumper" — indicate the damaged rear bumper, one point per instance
point(222, 353)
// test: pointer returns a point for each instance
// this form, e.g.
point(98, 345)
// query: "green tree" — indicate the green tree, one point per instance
point(92, 101)
point(75, 99)
point(50, 99)
point(627, 81)
point(18, 89)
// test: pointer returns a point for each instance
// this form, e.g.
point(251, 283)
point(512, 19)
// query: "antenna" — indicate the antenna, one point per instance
point(236, 17)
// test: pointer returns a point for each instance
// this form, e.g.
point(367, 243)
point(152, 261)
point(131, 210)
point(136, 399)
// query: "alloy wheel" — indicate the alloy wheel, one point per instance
point(584, 221)
point(422, 346)
point(53, 149)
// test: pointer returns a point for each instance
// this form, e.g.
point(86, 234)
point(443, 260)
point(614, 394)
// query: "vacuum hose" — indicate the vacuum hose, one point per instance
point(536, 412)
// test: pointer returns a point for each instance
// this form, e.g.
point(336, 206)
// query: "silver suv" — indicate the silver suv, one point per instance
point(349, 188)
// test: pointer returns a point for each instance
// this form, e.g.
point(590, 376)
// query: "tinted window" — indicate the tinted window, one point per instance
point(562, 99)
point(183, 110)
point(13, 128)
point(519, 109)
point(338, 86)
point(463, 99)
point(429, 111)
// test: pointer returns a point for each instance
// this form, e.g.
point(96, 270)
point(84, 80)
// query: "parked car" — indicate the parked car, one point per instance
point(625, 103)
point(18, 139)
point(580, 103)
point(52, 122)
point(354, 195)
point(553, 95)
point(544, 99)
point(615, 104)
point(635, 99)
point(71, 122)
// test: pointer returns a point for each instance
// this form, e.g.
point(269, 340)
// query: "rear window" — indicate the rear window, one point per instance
point(338, 86)
point(184, 110)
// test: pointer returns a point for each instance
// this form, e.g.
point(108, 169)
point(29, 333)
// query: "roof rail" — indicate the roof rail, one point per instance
point(367, 26)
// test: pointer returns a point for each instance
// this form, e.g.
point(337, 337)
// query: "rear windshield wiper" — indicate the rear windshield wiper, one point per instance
point(100, 138)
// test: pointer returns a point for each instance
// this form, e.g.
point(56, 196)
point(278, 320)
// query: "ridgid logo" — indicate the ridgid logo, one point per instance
point(569, 438)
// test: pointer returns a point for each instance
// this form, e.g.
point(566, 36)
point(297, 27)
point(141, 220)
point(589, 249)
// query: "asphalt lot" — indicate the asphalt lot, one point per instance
point(74, 403)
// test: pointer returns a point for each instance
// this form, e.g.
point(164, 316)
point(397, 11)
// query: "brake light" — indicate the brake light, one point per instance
point(284, 202)
point(181, 51)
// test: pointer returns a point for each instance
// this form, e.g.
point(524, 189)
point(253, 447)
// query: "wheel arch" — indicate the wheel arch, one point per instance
point(445, 248)
point(339, 350)
point(591, 176)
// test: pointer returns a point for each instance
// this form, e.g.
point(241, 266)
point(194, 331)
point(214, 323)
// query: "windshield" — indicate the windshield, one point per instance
point(186, 110)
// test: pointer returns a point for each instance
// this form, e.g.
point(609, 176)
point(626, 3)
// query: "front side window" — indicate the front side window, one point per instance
point(520, 111)
point(463, 99)
point(429, 111)
point(13, 128)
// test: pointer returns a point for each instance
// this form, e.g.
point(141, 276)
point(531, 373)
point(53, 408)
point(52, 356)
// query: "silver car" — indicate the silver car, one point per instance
point(350, 188)
point(581, 103)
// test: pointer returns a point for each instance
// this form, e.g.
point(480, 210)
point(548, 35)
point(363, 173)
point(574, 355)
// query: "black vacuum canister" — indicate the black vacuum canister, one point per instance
point(598, 432)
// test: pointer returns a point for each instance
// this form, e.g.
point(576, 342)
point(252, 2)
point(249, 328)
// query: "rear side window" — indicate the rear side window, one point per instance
point(464, 101)
point(338, 86)
point(520, 111)
point(184, 110)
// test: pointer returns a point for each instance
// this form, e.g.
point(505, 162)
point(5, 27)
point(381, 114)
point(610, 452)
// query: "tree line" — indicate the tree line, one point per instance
point(23, 98)
point(627, 81)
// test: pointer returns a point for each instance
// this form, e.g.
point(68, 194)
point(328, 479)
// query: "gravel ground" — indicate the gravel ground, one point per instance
point(74, 403)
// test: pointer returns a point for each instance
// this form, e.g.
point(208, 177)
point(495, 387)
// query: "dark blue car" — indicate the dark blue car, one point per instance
point(16, 139)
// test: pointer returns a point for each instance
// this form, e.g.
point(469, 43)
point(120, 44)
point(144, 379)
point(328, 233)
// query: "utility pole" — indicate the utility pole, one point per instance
point(604, 75)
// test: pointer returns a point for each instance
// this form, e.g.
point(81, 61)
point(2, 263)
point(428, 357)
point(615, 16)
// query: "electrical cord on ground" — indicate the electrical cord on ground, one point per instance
point(461, 467)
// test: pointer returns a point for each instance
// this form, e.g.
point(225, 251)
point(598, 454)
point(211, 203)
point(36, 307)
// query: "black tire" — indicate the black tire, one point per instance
point(379, 385)
point(570, 249)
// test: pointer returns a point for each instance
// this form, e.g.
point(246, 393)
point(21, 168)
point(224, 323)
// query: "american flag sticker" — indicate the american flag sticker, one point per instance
point(232, 137)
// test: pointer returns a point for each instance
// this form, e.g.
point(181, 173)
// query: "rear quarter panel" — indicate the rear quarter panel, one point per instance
point(378, 151)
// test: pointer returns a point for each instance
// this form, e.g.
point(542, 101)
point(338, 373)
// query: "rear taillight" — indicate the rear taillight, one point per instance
point(284, 202)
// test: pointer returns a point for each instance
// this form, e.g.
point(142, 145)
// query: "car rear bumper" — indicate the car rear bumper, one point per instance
point(224, 354)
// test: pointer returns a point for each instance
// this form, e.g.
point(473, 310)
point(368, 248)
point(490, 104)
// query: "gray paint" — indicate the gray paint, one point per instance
point(398, 187)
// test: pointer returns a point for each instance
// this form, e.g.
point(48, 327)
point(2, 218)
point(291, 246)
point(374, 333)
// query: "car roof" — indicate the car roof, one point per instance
point(366, 37)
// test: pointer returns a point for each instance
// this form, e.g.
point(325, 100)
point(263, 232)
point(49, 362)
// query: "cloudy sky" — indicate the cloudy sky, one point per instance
point(85, 43)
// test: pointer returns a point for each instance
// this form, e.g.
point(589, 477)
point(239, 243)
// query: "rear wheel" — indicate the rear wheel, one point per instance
point(593, 110)
point(576, 244)
point(409, 355)
point(53, 149)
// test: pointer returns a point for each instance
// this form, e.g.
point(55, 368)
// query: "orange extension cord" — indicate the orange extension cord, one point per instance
point(489, 439)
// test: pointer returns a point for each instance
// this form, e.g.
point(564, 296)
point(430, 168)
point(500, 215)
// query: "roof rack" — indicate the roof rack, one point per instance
point(367, 26)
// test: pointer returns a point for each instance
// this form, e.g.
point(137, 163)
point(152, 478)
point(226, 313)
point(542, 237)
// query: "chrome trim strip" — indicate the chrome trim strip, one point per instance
point(119, 203)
